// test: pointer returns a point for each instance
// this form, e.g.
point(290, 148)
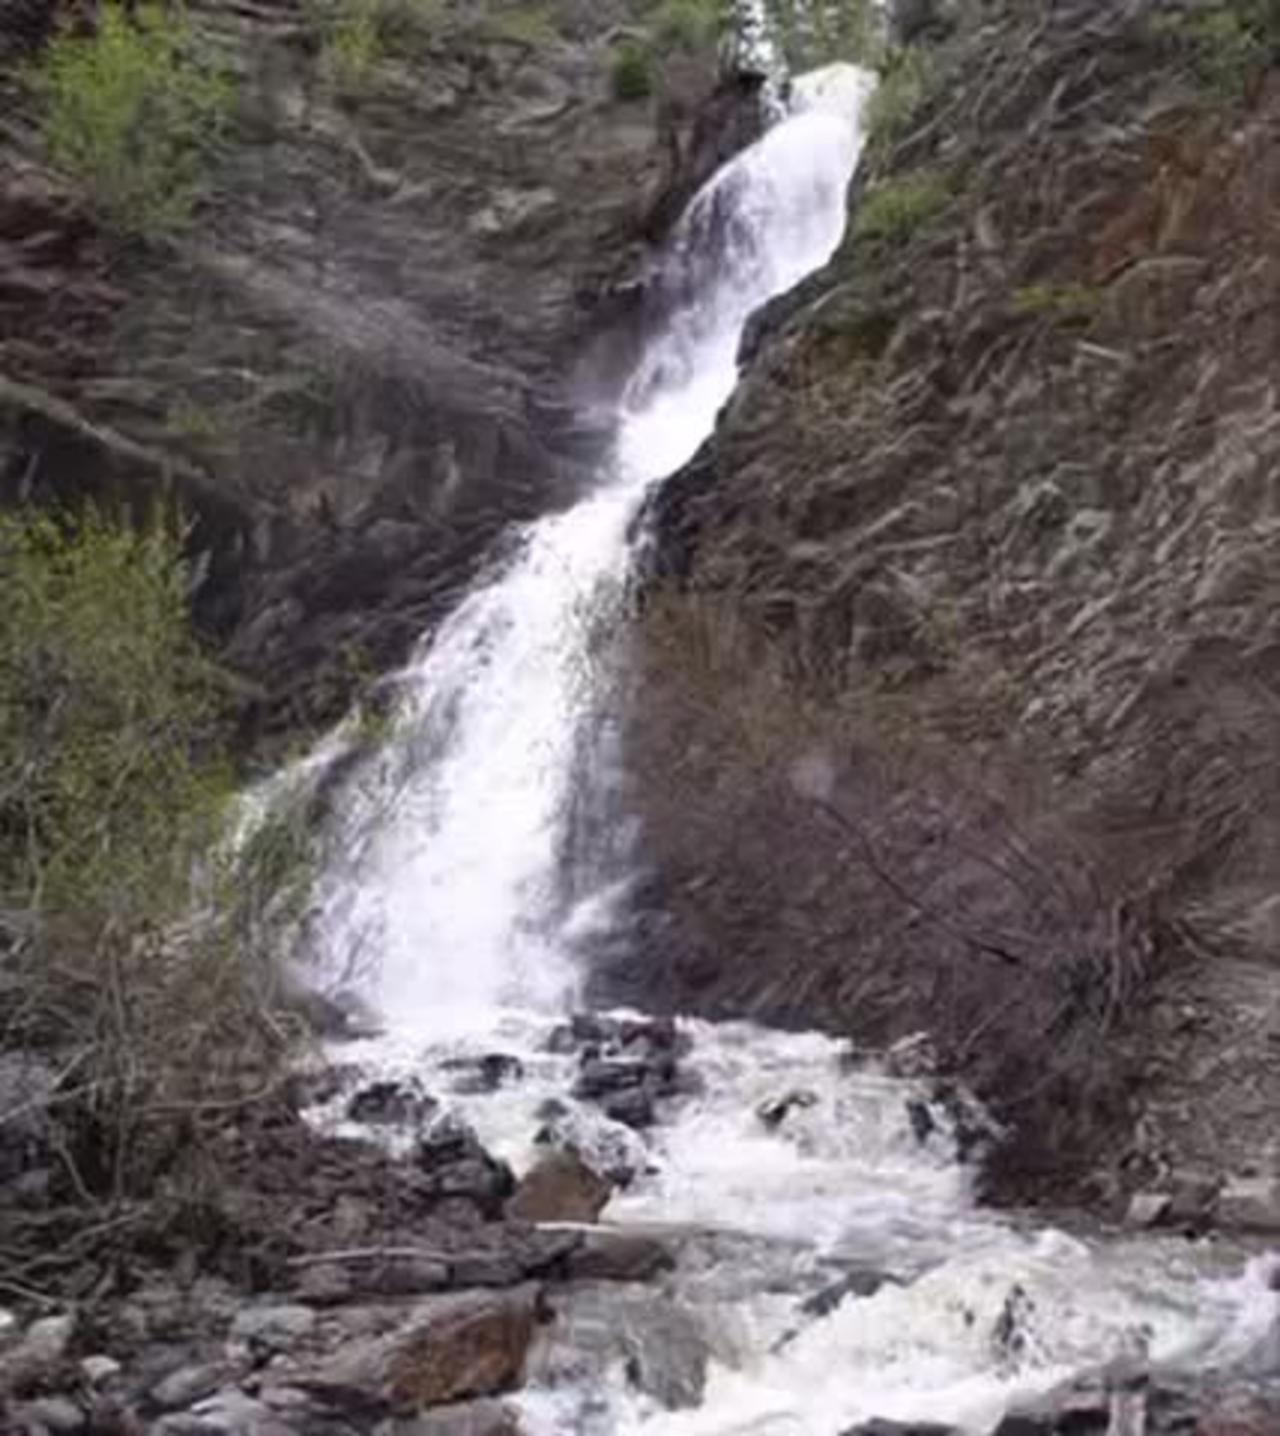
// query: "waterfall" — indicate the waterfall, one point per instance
point(451, 832)
point(833, 1263)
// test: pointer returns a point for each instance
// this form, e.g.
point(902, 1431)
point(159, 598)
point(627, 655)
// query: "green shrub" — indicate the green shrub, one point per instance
point(132, 113)
point(353, 46)
point(632, 73)
point(894, 209)
point(904, 82)
point(1229, 45)
point(113, 809)
point(691, 25)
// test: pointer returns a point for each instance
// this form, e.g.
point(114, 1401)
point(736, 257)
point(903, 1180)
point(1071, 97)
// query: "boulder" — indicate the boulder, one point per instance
point(451, 1156)
point(57, 1415)
point(187, 1385)
point(633, 1109)
point(451, 1348)
point(464, 1418)
point(273, 1328)
point(776, 1110)
point(659, 1344)
point(560, 1187)
point(35, 1359)
point(611, 1255)
point(1148, 1209)
point(1250, 1204)
point(599, 1077)
point(392, 1104)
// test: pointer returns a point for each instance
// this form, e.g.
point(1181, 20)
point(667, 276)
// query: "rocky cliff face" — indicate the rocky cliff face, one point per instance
point(355, 371)
point(999, 496)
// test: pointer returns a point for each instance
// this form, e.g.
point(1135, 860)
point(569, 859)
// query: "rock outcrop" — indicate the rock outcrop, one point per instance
point(358, 369)
point(987, 542)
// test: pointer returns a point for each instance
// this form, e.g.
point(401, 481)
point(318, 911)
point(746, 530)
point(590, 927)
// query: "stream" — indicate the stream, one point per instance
point(833, 1265)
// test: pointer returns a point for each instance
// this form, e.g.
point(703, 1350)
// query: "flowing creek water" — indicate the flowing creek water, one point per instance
point(448, 895)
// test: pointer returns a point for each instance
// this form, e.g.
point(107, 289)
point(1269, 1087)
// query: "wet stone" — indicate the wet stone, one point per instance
point(392, 1104)
point(476, 1076)
point(777, 1109)
point(633, 1109)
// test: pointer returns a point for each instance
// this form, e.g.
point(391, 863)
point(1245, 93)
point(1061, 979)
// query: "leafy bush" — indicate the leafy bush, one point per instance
point(632, 74)
point(112, 809)
point(688, 24)
point(1229, 45)
point(894, 209)
point(904, 82)
point(353, 46)
point(132, 113)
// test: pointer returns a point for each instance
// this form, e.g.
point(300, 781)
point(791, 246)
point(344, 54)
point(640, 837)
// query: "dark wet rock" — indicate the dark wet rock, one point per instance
point(606, 1254)
point(478, 1075)
point(776, 1110)
point(35, 1359)
point(972, 1129)
point(860, 1284)
point(392, 1104)
point(881, 1427)
point(451, 1348)
point(921, 1118)
point(1009, 1334)
point(599, 1077)
point(340, 1016)
point(458, 1167)
point(1250, 1204)
point(633, 1108)
point(560, 1187)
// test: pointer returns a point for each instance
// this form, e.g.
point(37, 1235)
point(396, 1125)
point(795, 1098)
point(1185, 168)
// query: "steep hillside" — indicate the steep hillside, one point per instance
point(354, 368)
point(970, 680)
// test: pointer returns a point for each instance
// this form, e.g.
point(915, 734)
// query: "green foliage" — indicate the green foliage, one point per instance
point(905, 75)
point(1229, 45)
point(894, 209)
point(522, 24)
point(132, 113)
point(632, 74)
point(353, 46)
point(114, 801)
point(1066, 302)
point(690, 25)
point(105, 698)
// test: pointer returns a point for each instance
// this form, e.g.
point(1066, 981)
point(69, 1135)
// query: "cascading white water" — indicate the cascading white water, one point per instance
point(447, 896)
point(456, 827)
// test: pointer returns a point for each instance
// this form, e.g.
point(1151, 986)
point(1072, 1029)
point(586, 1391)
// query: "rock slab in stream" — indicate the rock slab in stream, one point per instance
point(560, 1187)
point(466, 1418)
point(455, 1347)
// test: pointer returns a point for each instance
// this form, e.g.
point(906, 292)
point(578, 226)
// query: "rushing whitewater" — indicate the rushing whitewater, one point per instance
point(447, 903)
point(455, 828)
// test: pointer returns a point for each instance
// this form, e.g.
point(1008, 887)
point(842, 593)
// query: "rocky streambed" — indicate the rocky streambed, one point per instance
point(616, 1224)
